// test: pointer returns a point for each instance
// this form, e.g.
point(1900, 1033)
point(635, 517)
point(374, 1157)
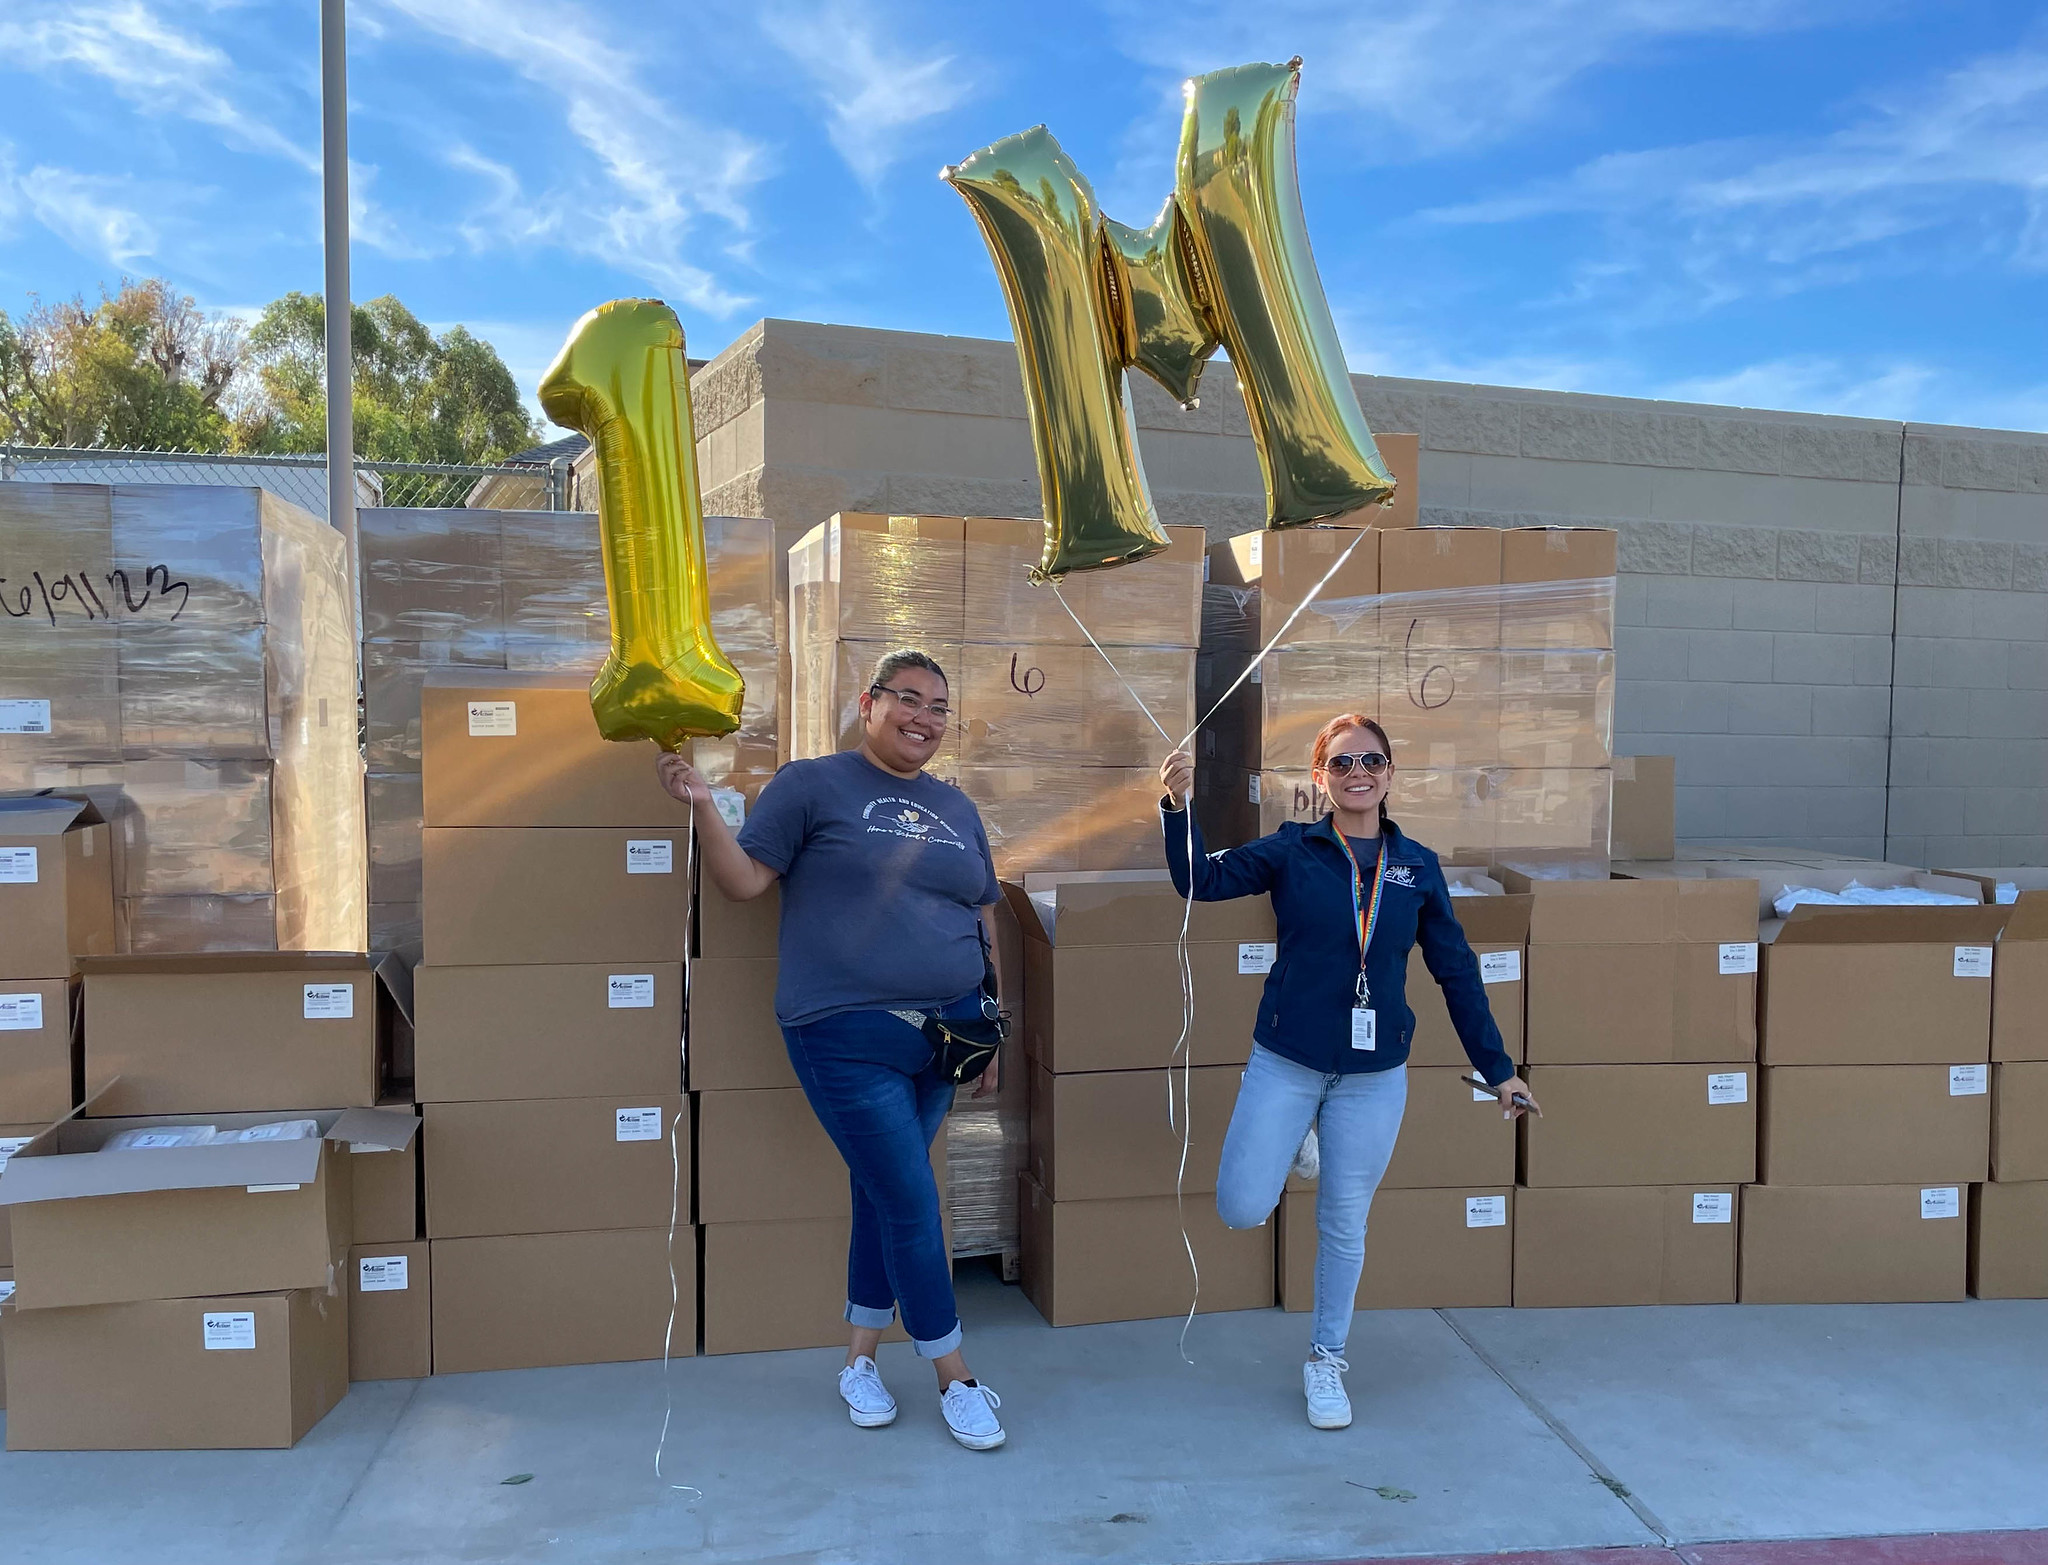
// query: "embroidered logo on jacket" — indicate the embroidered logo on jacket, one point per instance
point(1401, 875)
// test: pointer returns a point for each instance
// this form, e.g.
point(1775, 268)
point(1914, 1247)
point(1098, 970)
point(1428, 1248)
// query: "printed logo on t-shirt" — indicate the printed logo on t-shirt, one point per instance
point(903, 818)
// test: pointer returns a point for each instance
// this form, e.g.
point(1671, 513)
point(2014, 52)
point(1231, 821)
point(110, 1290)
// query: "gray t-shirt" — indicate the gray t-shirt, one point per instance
point(883, 880)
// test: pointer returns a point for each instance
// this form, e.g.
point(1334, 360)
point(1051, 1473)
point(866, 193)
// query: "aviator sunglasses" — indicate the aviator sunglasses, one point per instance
point(1370, 761)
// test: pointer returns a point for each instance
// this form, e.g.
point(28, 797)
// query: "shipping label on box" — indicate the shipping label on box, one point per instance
point(381, 1274)
point(330, 1002)
point(654, 856)
point(18, 867)
point(1941, 1201)
point(229, 1330)
point(1713, 1206)
point(1738, 957)
point(21, 1013)
point(639, 1124)
point(1486, 1211)
point(1973, 961)
point(1968, 1081)
point(630, 992)
point(19, 716)
point(1500, 967)
point(1255, 957)
point(1728, 1087)
point(493, 719)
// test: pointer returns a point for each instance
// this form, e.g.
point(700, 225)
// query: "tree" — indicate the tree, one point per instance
point(144, 367)
point(418, 397)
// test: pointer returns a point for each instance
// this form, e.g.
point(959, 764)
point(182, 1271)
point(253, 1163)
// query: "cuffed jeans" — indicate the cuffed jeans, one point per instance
point(1358, 1118)
point(883, 1121)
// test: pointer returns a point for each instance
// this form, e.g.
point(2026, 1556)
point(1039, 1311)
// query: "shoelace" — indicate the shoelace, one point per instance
point(961, 1390)
point(1326, 1367)
point(865, 1377)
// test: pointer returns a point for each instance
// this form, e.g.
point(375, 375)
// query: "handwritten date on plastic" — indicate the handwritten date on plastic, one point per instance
point(76, 593)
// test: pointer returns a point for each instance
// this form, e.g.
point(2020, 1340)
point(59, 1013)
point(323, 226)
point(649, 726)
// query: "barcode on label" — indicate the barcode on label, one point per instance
point(656, 856)
point(1713, 1206)
point(1256, 956)
point(493, 719)
point(24, 717)
point(630, 992)
point(1943, 1201)
point(381, 1274)
point(330, 1002)
point(18, 867)
point(639, 1124)
point(1968, 1081)
point(1738, 957)
point(21, 1013)
point(1486, 1211)
point(1500, 967)
point(235, 1329)
point(1973, 962)
point(1728, 1087)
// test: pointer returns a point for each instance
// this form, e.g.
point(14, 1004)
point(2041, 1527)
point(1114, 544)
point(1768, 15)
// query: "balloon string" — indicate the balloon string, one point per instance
point(1182, 1120)
point(675, 1197)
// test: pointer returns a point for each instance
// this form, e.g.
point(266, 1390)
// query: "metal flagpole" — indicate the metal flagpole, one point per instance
point(341, 474)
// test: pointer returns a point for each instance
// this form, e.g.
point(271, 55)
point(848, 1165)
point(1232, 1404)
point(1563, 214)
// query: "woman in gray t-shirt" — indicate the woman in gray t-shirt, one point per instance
point(888, 892)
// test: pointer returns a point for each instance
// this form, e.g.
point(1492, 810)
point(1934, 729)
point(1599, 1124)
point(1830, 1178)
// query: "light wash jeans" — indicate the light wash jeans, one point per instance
point(1358, 1118)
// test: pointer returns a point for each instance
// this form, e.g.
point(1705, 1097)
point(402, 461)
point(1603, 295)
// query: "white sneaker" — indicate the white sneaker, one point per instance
point(1308, 1157)
point(971, 1415)
point(1322, 1382)
point(868, 1402)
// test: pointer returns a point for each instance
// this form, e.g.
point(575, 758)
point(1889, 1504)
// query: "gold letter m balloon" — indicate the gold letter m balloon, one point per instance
point(623, 381)
point(1226, 263)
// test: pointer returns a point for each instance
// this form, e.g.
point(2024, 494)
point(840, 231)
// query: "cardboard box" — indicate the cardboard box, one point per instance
point(735, 1042)
point(1641, 1125)
point(387, 1189)
point(1875, 1124)
point(506, 894)
point(1854, 1244)
point(1880, 986)
point(762, 1157)
point(1084, 1262)
point(890, 578)
point(1450, 577)
point(1278, 571)
point(527, 1301)
point(6, 1311)
point(555, 1165)
point(1090, 945)
point(39, 1048)
point(184, 1374)
point(2019, 1121)
point(1556, 708)
point(1452, 1135)
point(1157, 604)
point(1645, 807)
point(547, 1031)
point(238, 1031)
point(12, 1139)
point(1424, 1249)
point(1560, 587)
point(2009, 1241)
point(770, 1286)
point(56, 885)
point(1639, 971)
point(741, 929)
point(1101, 1135)
point(2019, 982)
point(1497, 928)
point(499, 749)
point(1640, 1245)
point(390, 1312)
point(106, 1227)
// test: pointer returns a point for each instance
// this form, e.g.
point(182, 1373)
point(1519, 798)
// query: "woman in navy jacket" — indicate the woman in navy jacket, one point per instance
point(1352, 896)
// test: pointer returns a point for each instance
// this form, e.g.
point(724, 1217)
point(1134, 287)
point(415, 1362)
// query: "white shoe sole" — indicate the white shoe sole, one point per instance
point(870, 1420)
point(1325, 1422)
point(979, 1442)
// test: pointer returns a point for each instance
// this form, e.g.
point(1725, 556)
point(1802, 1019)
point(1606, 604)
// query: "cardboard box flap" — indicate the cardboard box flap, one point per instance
point(1873, 926)
point(2027, 919)
point(1494, 920)
point(395, 974)
point(45, 814)
point(375, 1130)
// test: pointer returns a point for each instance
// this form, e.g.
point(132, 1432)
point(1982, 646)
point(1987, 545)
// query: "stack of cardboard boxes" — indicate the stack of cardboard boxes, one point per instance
point(188, 664)
point(2009, 1211)
point(481, 594)
point(556, 1142)
point(1487, 653)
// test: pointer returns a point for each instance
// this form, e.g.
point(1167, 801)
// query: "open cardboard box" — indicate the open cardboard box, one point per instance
point(56, 885)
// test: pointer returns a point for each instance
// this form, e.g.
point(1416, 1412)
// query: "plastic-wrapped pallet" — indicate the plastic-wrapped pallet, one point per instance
point(1488, 654)
point(524, 590)
point(1056, 754)
point(984, 1151)
point(183, 654)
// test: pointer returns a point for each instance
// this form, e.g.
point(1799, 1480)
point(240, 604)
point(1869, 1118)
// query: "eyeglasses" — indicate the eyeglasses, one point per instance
point(1371, 761)
point(914, 705)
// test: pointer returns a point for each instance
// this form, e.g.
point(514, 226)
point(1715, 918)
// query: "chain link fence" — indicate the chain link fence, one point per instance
point(517, 486)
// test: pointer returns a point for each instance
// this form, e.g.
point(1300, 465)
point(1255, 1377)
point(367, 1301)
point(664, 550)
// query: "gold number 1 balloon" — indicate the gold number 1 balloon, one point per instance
point(1226, 263)
point(622, 379)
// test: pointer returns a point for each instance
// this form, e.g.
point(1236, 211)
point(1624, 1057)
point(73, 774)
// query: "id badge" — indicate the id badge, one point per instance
point(1364, 1028)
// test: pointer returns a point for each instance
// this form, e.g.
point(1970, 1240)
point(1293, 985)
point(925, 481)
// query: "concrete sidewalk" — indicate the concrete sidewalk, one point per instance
point(1478, 1431)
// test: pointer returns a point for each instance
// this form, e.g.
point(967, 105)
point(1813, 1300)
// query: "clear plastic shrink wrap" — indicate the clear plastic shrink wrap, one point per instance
point(182, 653)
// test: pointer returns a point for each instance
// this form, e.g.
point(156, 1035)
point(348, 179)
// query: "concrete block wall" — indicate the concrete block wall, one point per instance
point(1839, 626)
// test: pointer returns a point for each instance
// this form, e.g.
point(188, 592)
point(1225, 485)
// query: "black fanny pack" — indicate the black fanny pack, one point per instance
point(963, 1047)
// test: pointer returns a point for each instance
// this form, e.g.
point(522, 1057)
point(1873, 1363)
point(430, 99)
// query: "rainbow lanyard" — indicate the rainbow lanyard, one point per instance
point(1368, 915)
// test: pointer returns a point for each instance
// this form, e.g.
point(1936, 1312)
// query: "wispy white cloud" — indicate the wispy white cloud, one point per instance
point(1429, 76)
point(149, 62)
point(1955, 170)
point(1816, 384)
point(83, 211)
point(661, 169)
point(874, 88)
point(370, 224)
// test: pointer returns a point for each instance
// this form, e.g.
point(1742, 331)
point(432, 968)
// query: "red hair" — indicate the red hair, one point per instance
point(1319, 753)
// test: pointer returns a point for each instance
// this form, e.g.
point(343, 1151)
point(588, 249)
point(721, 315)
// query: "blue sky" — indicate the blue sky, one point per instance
point(1832, 205)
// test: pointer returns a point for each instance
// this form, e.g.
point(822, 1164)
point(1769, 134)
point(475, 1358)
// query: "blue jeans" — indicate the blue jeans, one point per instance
point(883, 1120)
point(1359, 1117)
